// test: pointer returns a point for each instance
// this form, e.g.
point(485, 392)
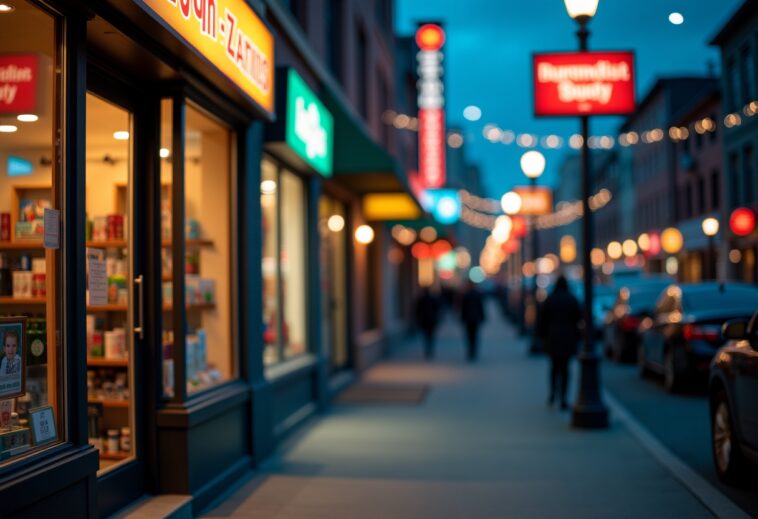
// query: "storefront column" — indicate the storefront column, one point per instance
point(251, 283)
point(313, 291)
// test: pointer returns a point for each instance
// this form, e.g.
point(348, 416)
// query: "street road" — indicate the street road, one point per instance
point(680, 422)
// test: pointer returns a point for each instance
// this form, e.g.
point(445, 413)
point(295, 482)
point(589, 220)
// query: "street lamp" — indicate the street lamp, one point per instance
point(710, 229)
point(511, 203)
point(533, 165)
point(589, 410)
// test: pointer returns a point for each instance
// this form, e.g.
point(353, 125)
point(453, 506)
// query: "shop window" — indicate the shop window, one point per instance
point(283, 204)
point(208, 262)
point(333, 282)
point(198, 337)
point(31, 180)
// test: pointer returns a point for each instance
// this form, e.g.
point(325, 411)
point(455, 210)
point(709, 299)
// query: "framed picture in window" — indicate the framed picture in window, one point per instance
point(12, 360)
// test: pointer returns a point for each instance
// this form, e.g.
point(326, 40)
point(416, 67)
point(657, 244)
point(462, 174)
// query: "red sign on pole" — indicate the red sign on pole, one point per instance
point(584, 83)
point(19, 75)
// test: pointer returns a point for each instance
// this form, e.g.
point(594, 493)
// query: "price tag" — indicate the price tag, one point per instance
point(43, 425)
point(52, 236)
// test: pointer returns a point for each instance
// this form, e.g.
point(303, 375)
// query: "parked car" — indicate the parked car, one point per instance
point(602, 298)
point(733, 396)
point(633, 303)
point(683, 334)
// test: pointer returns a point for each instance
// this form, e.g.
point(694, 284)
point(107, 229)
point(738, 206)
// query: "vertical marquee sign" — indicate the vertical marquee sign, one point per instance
point(431, 106)
point(583, 83)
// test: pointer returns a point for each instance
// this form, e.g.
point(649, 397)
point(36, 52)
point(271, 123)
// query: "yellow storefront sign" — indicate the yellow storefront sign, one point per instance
point(229, 35)
point(389, 206)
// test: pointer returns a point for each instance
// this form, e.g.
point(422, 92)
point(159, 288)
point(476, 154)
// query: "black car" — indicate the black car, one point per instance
point(733, 395)
point(683, 334)
point(633, 303)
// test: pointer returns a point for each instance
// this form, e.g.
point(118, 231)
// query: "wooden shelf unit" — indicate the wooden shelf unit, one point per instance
point(101, 362)
point(23, 244)
point(111, 403)
point(10, 300)
point(113, 456)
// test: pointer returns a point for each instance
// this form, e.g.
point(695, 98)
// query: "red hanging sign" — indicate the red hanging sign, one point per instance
point(19, 76)
point(584, 83)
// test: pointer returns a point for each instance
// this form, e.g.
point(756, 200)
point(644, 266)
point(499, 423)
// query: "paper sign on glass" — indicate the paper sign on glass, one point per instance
point(52, 237)
point(97, 281)
point(43, 425)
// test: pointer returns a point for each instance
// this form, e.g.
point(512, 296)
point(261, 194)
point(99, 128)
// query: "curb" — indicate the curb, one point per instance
point(712, 498)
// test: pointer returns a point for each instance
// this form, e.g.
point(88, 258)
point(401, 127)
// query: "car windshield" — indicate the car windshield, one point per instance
point(711, 297)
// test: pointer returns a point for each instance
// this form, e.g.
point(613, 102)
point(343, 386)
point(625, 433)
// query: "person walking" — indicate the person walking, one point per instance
point(559, 327)
point(472, 315)
point(427, 318)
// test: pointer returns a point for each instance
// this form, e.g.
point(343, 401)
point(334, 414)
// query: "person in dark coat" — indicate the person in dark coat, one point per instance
point(472, 315)
point(427, 318)
point(559, 327)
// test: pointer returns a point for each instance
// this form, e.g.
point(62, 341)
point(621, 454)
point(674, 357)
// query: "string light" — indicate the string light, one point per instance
point(508, 137)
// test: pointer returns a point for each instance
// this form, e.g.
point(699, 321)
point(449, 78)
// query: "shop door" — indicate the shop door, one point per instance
point(117, 180)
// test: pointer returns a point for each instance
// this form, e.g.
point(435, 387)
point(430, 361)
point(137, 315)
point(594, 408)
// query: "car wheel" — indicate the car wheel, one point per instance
point(727, 456)
point(642, 363)
point(671, 377)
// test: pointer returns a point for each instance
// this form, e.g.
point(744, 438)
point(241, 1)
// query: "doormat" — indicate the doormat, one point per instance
point(373, 393)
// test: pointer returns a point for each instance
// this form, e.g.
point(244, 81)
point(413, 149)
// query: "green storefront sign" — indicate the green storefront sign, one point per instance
point(309, 128)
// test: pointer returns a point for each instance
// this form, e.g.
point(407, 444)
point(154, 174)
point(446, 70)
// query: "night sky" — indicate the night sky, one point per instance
point(488, 62)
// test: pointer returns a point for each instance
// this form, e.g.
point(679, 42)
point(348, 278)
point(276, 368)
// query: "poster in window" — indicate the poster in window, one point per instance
point(12, 361)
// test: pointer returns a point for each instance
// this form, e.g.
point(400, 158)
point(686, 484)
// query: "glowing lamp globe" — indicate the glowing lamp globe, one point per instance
point(533, 163)
point(364, 234)
point(430, 37)
point(511, 202)
point(672, 240)
point(710, 227)
point(578, 9)
point(742, 221)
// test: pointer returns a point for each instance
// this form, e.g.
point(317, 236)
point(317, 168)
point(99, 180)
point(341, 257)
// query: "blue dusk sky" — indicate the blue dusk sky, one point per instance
point(488, 62)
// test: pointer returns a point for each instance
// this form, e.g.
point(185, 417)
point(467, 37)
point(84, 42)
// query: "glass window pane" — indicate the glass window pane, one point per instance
point(333, 286)
point(292, 260)
point(208, 260)
point(269, 232)
point(31, 356)
point(166, 154)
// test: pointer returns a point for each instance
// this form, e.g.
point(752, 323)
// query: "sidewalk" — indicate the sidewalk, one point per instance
point(482, 445)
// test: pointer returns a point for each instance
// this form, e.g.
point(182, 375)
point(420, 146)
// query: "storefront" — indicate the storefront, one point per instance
point(298, 154)
point(130, 167)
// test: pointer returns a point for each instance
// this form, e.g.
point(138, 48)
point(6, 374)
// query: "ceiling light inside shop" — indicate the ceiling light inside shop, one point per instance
point(8, 128)
point(121, 135)
point(28, 118)
point(6, 8)
point(164, 153)
point(268, 187)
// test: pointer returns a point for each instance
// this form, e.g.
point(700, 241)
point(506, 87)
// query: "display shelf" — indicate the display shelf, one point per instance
point(22, 244)
point(189, 243)
point(101, 362)
point(166, 308)
point(10, 300)
point(113, 456)
point(106, 244)
point(110, 307)
point(110, 403)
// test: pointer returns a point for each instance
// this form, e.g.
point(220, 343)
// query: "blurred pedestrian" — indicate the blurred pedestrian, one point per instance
point(427, 319)
point(559, 327)
point(472, 315)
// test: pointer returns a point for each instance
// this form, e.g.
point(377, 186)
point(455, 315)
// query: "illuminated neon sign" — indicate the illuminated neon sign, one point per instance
point(431, 102)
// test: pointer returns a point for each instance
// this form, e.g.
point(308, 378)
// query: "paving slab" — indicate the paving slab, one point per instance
point(483, 444)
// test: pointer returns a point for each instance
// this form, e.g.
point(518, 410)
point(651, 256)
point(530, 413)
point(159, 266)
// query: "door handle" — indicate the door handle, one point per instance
point(140, 329)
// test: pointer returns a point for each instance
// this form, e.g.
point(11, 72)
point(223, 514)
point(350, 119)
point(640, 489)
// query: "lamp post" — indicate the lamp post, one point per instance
point(710, 229)
point(533, 165)
point(511, 205)
point(589, 410)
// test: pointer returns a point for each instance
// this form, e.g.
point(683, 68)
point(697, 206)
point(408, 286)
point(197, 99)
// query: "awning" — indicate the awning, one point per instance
point(360, 164)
